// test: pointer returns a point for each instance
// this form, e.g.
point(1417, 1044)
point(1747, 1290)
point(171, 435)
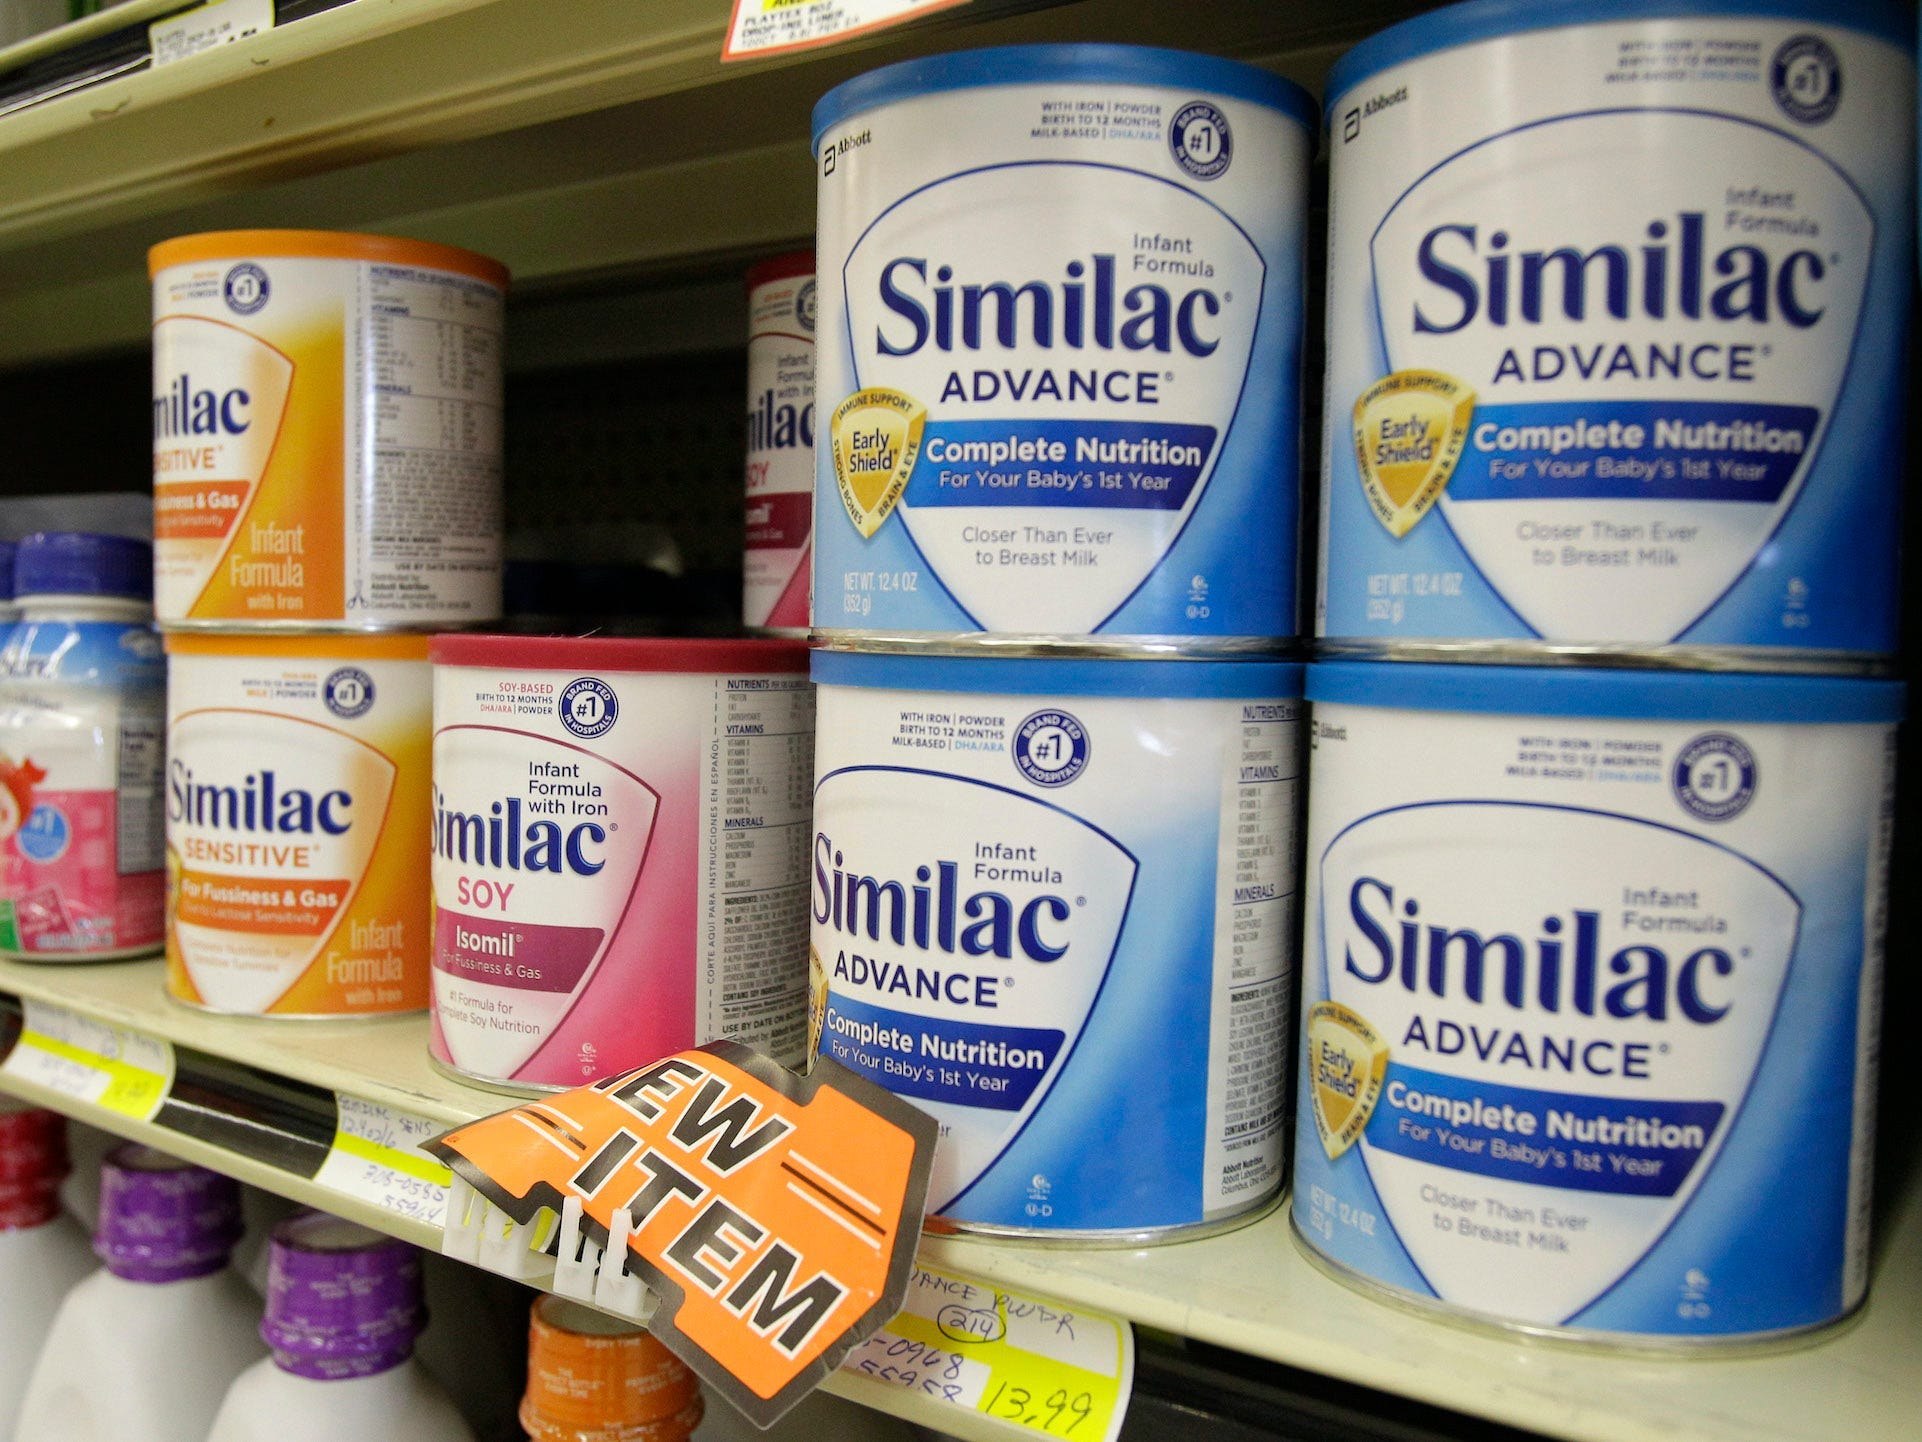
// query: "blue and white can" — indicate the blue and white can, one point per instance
point(1591, 994)
point(1054, 905)
point(1060, 344)
point(1618, 302)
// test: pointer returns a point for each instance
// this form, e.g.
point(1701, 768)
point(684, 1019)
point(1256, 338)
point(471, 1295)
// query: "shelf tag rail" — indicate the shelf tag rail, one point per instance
point(376, 1158)
point(91, 1061)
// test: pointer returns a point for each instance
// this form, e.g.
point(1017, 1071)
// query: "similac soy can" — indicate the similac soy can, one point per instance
point(1591, 994)
point(619, 853)
point(780, 443)
point(326, 431)
point(1618, 299)
point(1060, 343)
point(297, 819)
point(1054, 906)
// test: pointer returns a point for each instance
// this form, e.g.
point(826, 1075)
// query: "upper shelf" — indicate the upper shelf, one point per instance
point(567, 139)
point(1250, 1290)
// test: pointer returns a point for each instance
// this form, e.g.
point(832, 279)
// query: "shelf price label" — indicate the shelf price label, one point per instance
point(1042, 1366)
point(91, 1061)
point(769, 27)
point(376, 1158)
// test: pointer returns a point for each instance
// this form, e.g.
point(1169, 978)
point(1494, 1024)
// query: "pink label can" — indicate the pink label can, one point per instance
point(780, 443)
point(620, 833)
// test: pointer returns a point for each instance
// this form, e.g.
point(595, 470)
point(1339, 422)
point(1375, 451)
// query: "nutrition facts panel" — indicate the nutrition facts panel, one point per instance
point(1255, 911)
point(431, 353)
point(754, 850)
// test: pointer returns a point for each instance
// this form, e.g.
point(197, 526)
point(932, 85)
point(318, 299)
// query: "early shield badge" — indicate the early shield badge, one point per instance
point(1410, 428)
point(1347, 1064)
point(876, 437)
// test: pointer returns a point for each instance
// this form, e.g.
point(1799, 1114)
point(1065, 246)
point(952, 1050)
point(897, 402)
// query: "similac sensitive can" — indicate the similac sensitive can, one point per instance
point(297, 816)
point(1591, 994)
point(80, 751)
point(620, 841)
point(1054, 905)
point(1061, 312)
point(780, 443)
point(326, 431)
point(1617, 311)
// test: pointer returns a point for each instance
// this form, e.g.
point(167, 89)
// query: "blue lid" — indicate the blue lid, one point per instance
point(1045, 64)
point(1475, 20)
point(6, 570)
point(79, 563)
point(1626, 695)
point(1254, 679)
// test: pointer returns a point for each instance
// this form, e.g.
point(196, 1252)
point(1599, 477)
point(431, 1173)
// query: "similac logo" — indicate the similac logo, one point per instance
point(504, 838)
point(184, 409)
point(1562, 1006)
point(779, 427)
point(260, 802)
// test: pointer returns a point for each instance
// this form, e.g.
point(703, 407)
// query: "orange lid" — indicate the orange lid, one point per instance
point(594, 1378)
point(225, 245)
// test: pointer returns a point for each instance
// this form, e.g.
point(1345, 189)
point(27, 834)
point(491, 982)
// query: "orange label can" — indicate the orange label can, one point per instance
point(297, 823)
point(326, 431)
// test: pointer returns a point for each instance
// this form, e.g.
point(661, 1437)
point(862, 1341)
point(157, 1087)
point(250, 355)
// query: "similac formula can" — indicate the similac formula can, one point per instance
point(297, 816)
point(620, 838)
point(1061, 313)
point(81, 705)
point(1054, 906)
point(780, 443)
point(326, 431)
point(1617, 308)
point(1591, 994)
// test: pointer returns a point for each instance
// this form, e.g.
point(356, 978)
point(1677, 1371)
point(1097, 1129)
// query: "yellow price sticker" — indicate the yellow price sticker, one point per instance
point(1042, 1366)
point(121, 1071)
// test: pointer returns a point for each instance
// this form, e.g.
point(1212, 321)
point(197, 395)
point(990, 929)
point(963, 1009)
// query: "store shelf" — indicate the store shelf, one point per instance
point(1250, 1290)
point(569, 140)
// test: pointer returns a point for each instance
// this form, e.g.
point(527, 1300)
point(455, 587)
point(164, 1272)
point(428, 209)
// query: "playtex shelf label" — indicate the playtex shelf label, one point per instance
point(1043, 1366)
point(90, 1061)
point(376, 1157)
point(774, 1216)
point(768, 27)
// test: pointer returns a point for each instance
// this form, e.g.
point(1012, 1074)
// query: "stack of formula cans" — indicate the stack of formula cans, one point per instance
point(1053, 855)
point(327, 491)
point(1601, 772)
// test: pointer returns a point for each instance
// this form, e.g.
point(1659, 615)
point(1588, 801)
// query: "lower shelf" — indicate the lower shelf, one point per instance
point(1250, 1290)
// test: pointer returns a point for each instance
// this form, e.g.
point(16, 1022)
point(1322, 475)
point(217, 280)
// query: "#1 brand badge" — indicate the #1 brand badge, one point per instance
point(875, 436)
point(1410, 428)
point(1347, 1063)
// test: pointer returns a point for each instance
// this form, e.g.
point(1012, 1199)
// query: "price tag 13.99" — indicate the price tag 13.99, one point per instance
point(376, 1158)
point(105, 1066)
point(1041, 1366)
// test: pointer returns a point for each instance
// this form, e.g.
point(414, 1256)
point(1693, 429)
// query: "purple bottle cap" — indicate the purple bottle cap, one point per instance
point(342, 1300)
point(162, 1220)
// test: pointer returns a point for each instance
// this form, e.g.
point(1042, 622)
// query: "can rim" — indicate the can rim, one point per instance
point(621, 653)
point(331, 645)
point(1041, 64)
point(1625, 695)
point(323, 245)
point(793, 265)
point(1169, 678)
point(1455, 26)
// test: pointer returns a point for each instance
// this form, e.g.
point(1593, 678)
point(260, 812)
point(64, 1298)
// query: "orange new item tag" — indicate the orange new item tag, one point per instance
point(775, 1216)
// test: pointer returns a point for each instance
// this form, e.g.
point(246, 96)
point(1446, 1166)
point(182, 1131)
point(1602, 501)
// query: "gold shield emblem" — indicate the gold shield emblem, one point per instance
point(1410, 428)
point(876, 437)
point(1347, 1063)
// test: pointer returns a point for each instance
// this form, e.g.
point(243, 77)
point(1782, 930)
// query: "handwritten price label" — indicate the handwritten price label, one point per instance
point(769, 27)
point(90, 1061)
point(376, 1158)
point(1041, 1366)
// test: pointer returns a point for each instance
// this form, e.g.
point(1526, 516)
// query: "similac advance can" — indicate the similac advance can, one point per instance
point(297, 813)
point(620, 843)
point(1061, 310)
point(780, 443)
point(1591, 994)
point(1617, 308)
point(1054, 906)
point(326, 431)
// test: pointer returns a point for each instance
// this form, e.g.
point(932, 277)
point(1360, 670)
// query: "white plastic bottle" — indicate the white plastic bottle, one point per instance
point(42, 1252)
point(144, 1349)
point(82, 697)
point(343, 1310)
